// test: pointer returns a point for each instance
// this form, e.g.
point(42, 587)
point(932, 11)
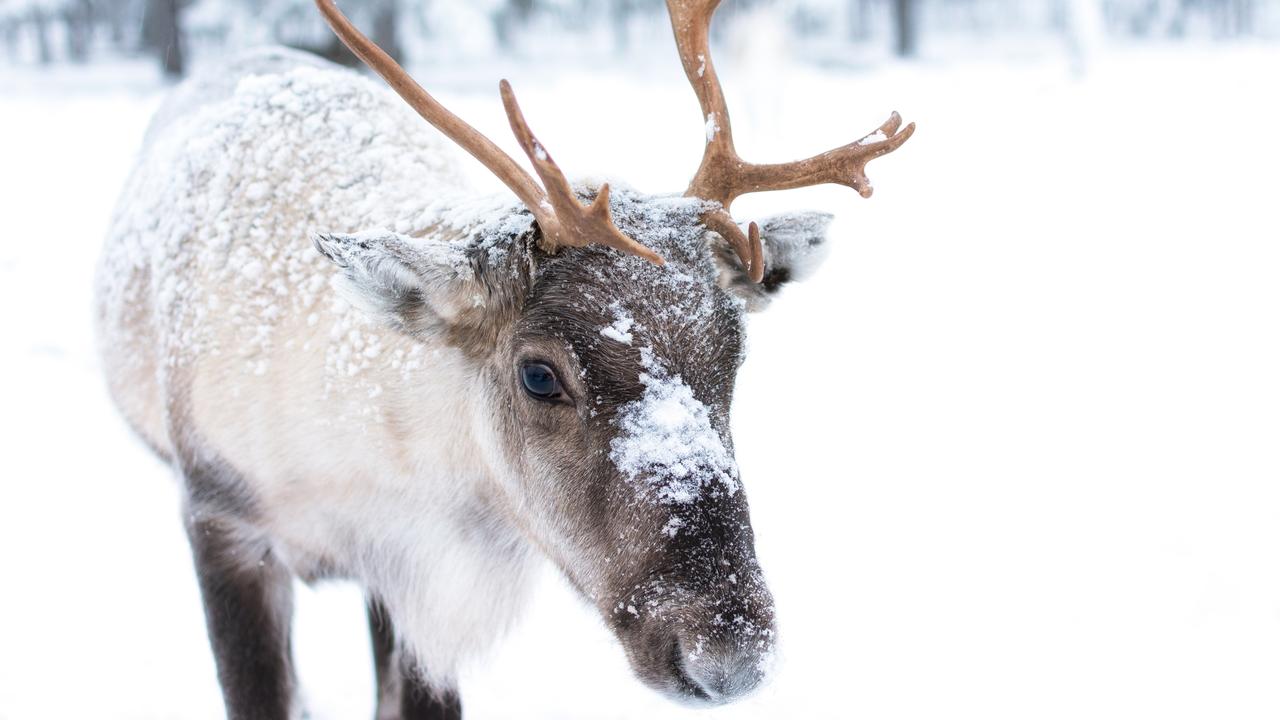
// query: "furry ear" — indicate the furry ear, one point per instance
point(794, 244)
point(416, 285)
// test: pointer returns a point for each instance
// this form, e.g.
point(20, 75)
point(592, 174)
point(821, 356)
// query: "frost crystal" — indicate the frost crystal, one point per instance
point(620, 330)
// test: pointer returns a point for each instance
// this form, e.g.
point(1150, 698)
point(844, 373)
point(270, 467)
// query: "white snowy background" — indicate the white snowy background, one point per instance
point(1013, 453)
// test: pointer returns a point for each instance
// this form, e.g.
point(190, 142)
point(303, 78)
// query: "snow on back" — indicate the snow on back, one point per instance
point(239, 170)
point(241, 167)
point(667, 444)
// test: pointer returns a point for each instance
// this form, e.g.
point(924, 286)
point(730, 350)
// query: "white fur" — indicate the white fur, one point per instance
point(218, 327)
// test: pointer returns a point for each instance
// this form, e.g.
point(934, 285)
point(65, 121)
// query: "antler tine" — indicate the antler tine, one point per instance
point(574, 224)
point(691, 22)
point(845, 165)
point(723, 175)
point(746, 245)
point(563, 220)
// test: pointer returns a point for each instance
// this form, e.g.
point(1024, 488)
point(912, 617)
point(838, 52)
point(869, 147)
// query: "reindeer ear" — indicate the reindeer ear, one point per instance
point(794, 245)
point(412, 284)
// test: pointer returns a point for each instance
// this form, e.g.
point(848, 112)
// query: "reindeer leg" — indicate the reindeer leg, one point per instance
point(401, 695)
point(248, 601)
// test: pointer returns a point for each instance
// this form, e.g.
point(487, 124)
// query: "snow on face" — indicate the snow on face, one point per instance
point(666, 442)
point(620, 329)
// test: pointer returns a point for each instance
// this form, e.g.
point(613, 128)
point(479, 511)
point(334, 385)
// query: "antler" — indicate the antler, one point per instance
point(575, 225)
point(723, 175)
point(562, 218)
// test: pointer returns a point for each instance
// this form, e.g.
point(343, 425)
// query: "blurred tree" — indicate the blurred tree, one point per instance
point(162, 35)
point(174, 30)
point(10, 27)
point(1238, 17)
point(40, 26)
point(906, 31)
point(118, 16)
point(77, 15)
point(859, 15)
point(383, 18)
point(511, 14)
point(620, 12)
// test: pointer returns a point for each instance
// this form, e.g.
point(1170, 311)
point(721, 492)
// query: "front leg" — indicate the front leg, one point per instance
point(248, 606)
point(401, 695)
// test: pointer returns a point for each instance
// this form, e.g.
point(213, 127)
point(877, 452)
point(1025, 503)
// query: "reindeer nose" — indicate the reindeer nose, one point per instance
point(723, 670)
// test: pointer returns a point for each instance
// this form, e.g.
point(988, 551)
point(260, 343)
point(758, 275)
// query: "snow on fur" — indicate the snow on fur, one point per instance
point(666, 442)
point(235, 177)
point(620, 329)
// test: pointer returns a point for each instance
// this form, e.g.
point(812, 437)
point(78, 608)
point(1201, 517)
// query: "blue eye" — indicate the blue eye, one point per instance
point(540, 381)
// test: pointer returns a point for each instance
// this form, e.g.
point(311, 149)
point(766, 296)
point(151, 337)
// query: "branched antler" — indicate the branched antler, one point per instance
point(573, 224)
point(561, 217)
point(723, 175)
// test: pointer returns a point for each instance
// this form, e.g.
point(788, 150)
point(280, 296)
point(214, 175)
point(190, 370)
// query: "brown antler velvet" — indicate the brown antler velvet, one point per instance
point(724, 175)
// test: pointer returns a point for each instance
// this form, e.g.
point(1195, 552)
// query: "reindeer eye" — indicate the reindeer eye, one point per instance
point(540, 381)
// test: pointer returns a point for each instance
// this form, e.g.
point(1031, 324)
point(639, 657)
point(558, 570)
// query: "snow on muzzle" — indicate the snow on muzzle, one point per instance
point(699, 624)
point(697, 644)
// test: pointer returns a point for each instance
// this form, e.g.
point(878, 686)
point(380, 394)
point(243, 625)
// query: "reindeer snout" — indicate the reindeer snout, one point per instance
point(700, 627)
point(712, 648)
point(721, 671)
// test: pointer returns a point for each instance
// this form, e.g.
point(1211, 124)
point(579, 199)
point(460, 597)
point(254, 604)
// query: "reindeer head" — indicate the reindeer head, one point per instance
point(605, 339)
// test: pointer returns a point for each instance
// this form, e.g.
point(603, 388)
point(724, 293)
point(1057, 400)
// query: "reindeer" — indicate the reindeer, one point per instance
point(453, 389)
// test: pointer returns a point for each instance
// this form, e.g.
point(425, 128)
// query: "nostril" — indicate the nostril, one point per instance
point(717, 672)
point(687, 684)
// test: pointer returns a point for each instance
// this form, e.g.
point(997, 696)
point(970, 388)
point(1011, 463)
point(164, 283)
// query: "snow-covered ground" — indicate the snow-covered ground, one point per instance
point(1015, 452)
